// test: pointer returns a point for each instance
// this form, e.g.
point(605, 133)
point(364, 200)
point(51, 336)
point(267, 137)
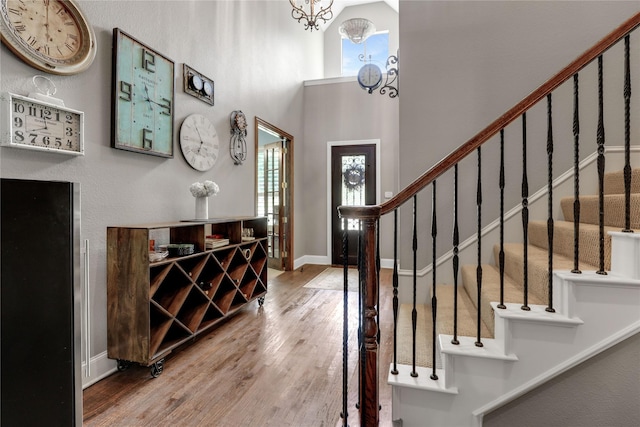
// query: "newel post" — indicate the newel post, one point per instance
point(368, 356)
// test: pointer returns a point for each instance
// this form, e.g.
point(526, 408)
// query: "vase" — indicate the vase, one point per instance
point(202, 208)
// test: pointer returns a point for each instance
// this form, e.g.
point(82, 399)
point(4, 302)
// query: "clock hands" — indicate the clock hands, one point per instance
point(201, 141)
point(148, 99)
point(43, 128)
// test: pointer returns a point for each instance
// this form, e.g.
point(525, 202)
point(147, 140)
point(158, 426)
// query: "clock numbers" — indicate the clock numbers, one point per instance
point(166, 107)
point(125, 91)
point(148, 61)
point(147, 141)
point(43, 126)
point(142, 98)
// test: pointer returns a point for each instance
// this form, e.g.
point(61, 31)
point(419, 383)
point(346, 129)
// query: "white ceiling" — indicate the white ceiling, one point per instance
point(339, 5)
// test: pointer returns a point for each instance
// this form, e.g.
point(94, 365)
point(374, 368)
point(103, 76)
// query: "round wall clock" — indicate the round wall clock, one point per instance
point(370, 77)
point(199, 142)
point(50, 35)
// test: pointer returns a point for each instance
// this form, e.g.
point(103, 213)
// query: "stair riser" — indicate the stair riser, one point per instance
point(626, 254)
point(563, 243)
point(538, 275)
point(614, 210)
point(614, 182)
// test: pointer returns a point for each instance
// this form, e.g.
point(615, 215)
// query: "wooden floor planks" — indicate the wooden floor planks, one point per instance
point(278, 365)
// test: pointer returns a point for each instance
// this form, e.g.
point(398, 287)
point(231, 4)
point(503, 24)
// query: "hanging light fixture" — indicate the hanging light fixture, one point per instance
point(357, 29)
point(310, 20)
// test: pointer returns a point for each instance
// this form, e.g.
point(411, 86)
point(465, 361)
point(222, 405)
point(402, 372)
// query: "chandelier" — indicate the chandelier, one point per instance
point(310, 20)
point(357, 29)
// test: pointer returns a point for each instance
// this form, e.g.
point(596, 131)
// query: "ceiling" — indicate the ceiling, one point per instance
point(339, 5)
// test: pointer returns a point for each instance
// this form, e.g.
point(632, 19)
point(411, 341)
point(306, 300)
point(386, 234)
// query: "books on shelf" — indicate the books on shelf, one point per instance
point(212, 243)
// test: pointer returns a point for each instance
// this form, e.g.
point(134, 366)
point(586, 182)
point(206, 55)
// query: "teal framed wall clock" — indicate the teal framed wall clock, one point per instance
point(142, 97)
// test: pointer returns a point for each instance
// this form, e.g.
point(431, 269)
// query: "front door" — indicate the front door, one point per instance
point(353, 183)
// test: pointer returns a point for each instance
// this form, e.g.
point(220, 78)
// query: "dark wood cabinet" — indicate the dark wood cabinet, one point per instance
point(153, 307)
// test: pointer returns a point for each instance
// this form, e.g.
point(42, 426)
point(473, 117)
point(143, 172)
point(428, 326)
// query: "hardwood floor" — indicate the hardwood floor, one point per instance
point(278, 365)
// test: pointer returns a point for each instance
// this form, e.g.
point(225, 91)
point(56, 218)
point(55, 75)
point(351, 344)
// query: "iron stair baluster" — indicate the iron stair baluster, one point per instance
point(394, 370)
point(456, 242)
point(501, 254)
point(434, 298)
point(550, 224)
point(525, 216)
point(600, 141)
point(478, 343)
point(627, 136)
point(414, 313)
point(345, 319)
point(576, 176)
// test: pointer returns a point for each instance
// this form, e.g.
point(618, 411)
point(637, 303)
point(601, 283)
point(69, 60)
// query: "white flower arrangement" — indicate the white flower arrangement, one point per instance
point(204, 189)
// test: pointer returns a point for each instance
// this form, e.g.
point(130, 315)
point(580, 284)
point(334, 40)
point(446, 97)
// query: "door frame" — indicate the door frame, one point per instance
point(330, 213)
point(288, 247)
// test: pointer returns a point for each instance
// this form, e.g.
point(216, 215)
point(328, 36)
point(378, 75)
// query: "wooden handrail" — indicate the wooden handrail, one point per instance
point(514, 113)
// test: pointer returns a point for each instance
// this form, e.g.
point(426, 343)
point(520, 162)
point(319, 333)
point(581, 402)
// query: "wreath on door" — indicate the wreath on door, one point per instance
point(353, 176)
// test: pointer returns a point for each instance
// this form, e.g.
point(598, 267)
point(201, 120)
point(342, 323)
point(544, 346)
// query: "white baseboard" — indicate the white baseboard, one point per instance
point(311, 259)
point(325, 260)
point(100, 367)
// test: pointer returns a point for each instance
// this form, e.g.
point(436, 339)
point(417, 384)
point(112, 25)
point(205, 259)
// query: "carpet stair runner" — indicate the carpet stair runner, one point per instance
point(538, 277)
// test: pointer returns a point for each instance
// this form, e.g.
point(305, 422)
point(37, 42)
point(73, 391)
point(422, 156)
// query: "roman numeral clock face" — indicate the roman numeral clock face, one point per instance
point(199, 142)
point(50, 35)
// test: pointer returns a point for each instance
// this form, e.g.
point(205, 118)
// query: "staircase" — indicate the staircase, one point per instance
point(551, 319)
point(487, 377)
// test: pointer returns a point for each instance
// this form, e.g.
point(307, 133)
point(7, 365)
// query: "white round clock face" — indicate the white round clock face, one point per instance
point(196, 82)
point(208, 88)
point(370, 76)
point(199, 142)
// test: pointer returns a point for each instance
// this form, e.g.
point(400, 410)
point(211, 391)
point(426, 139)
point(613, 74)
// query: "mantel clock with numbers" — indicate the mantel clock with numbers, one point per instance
point(143, 97)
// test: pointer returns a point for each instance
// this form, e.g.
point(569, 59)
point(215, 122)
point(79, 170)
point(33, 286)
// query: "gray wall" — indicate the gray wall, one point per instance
point(257, 66)
point(342, 112)
point(468, 62)
point(604, 391)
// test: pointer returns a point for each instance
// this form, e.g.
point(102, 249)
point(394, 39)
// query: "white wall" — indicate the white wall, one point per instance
point(246, 47)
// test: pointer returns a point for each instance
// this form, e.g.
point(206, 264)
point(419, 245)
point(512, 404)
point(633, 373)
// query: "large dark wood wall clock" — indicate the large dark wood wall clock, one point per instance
point(142, 97)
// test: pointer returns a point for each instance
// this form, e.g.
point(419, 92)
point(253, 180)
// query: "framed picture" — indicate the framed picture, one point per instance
point(142, 97)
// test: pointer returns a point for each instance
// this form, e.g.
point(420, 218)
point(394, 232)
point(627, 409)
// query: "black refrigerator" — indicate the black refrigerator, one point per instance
point(41, 303)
